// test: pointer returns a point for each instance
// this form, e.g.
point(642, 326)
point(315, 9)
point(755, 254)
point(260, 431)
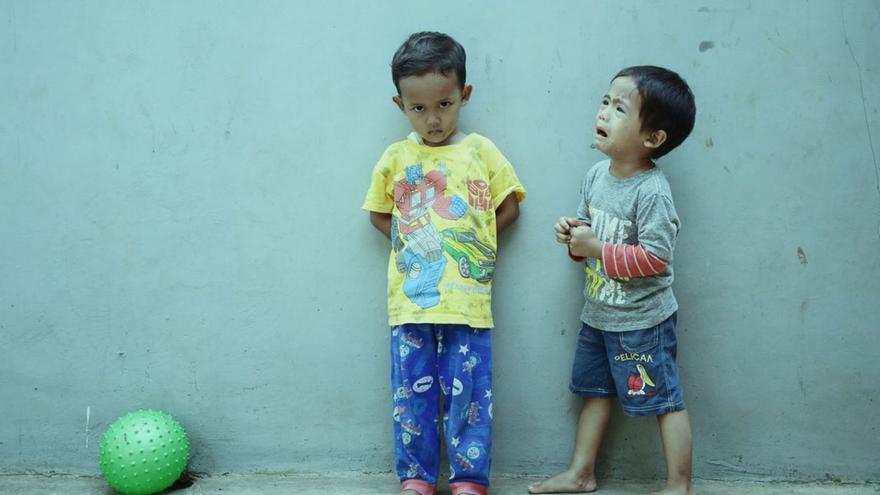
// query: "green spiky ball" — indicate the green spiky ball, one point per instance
point(143, 452)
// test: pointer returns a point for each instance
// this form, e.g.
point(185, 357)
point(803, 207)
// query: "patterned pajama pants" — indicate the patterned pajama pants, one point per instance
point(453, 361)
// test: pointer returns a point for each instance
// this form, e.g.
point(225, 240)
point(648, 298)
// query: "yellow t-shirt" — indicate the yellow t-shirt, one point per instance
point(442, 201)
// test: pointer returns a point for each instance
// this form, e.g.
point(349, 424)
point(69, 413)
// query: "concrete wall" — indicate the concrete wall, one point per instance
point(180, 185)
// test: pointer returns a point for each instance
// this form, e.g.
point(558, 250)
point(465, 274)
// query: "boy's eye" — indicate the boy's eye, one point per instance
point(620, 109)
point(445, 104)
point(417, 108)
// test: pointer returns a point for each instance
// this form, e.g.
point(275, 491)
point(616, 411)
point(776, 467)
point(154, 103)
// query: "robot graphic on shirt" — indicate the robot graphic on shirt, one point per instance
point(416, 241)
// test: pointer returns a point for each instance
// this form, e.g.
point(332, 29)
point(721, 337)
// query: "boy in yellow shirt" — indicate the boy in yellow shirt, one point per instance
point(441, 196)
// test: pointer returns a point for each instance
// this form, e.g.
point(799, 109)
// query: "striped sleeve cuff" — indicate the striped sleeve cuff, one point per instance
point(628, 261)
point(576, 259)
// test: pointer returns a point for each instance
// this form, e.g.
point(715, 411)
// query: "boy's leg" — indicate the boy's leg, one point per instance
point(648, 385)
point(415, 409)
point(675, 431)
point(590, 378)
point(580, 477)
point(465, 368)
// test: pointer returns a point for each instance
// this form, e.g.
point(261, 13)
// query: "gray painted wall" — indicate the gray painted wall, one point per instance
point(180, 185)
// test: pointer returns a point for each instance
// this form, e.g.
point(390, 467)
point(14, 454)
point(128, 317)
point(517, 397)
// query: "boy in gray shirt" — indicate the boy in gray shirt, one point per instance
point(625, 233)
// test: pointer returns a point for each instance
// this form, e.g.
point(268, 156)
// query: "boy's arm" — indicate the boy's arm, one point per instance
point(658, 226)
point(618, 260)
point(583, 219)
point(583, 243)
point(563, 230)
point(382, 222)
point(506, 213)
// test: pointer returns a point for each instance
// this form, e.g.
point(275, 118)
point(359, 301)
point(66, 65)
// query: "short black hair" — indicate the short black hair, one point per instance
point(427, 52)
point(667, 104)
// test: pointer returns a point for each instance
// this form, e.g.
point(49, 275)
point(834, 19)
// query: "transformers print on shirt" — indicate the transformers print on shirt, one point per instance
point(420, 249)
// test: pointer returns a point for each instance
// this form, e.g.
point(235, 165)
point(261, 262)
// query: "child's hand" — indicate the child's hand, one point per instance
point(563, 228)
point(584, 242)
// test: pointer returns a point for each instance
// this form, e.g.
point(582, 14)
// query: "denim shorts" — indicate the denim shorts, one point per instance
point(637, 366)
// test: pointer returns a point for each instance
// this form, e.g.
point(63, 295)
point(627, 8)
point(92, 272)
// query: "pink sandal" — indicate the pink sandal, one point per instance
point(419, 486)
point(468, 487)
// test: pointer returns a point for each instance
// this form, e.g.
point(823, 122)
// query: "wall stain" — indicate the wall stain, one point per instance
point(800, 377)
point(801, 256)
point(706, 45)
point(803, 311)
point(707, 10)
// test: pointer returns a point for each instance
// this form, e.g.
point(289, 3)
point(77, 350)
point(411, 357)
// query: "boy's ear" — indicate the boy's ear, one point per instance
point(466, 93)
point(399, 101)
point(655, 139)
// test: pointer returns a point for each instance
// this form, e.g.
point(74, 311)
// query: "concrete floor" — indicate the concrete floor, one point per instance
point(369, 484)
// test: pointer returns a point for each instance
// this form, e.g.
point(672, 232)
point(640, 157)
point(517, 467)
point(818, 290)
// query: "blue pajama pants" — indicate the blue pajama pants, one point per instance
point(453, 361)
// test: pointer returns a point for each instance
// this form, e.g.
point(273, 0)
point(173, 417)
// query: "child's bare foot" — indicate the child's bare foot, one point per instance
point(677, 490)
point(565, 482)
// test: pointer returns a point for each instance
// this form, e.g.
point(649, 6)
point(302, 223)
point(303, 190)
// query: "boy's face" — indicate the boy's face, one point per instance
point(618, 126)
point(431, 102)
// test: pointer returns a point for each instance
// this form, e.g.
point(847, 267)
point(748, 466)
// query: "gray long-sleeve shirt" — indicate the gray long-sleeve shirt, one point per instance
point(634, 210)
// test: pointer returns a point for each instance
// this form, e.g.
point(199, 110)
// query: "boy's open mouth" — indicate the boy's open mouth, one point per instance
point(600, 132)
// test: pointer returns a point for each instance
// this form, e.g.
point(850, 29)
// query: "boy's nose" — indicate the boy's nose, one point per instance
point(433, 119)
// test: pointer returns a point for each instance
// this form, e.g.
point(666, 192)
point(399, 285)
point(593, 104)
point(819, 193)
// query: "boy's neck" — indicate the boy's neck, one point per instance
point(455, 138)
point(630, 167)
